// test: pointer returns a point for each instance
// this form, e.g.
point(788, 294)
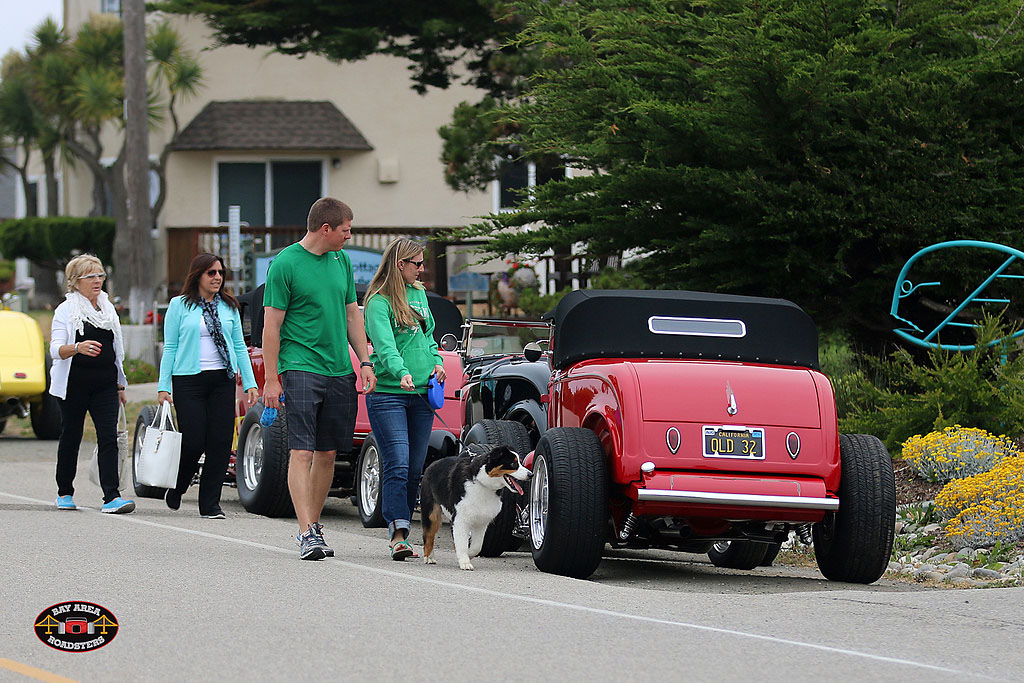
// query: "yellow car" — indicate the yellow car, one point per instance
point(25, 376)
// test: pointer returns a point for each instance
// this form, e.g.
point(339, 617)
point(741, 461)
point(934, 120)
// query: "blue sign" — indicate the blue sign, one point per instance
point(468, 281)
point(364, 264)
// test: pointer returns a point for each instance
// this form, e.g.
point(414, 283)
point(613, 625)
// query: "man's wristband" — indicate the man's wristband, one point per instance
point(366, 364)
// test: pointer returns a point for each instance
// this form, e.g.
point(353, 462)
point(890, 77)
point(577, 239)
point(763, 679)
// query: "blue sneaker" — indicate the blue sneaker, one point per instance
point(119, 506)
point(66, 503)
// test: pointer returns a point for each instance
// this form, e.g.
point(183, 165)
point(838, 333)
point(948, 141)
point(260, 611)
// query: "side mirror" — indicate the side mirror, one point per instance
point(532, 352)
point(449, 342)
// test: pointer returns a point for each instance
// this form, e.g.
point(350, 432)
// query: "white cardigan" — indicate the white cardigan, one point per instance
point(62, 332)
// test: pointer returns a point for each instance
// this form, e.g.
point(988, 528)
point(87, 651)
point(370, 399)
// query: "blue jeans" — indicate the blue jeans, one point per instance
point(401, 424)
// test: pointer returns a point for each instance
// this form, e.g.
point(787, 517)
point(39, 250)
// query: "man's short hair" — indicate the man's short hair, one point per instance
point(327, 210)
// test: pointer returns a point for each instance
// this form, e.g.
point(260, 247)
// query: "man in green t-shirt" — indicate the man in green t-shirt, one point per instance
point(310, 318)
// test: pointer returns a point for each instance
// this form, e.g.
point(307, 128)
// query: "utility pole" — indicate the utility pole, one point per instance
point(140, 247)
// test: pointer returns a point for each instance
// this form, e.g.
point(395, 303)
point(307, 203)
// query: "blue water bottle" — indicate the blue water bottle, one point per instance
point(270, 414)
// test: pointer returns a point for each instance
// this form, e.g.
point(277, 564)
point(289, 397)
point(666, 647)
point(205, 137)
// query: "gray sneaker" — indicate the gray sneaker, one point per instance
point(319, 528)
point(309, 546)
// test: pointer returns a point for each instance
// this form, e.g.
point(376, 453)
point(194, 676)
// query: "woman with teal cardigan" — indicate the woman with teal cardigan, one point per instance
point(203, 349)
point(401, 330)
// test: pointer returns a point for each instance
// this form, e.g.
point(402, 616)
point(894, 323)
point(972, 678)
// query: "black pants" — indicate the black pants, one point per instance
point(99, 398)
point(205, 405)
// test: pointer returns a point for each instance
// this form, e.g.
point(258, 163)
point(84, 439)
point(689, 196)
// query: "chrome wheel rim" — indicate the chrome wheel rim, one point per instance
point(538, 501)
point(252, 457)
point(369, 481)
point(140, 435)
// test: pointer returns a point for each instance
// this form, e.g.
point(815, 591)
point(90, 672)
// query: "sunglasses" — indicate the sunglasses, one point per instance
point(213, 272)
point(418, 264)
point(93, 276)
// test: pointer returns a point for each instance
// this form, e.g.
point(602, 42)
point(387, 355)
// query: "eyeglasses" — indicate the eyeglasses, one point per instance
point(213, 272)
point(92, 276)
point(418, 264)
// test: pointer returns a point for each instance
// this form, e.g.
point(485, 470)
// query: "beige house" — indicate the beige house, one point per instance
point(270, 133)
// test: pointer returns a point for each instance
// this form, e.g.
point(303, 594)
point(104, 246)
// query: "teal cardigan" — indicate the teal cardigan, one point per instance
point(181, 342)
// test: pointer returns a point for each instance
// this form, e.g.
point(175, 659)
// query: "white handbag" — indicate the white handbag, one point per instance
point(124, 465)
point(161, 451)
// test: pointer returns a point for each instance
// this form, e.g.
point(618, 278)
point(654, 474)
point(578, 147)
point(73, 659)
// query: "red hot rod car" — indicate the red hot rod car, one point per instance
point(693, 421)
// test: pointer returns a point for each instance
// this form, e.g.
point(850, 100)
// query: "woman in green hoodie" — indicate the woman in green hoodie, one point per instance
point(401, 330)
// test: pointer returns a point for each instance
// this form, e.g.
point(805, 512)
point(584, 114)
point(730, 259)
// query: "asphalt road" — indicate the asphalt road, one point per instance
point(201, 599)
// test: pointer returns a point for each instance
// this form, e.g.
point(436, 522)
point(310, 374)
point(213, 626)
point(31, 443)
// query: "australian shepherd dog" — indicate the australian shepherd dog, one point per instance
point(467, 491)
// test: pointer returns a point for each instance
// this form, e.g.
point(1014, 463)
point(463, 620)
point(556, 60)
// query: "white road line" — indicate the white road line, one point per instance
point(532, 600)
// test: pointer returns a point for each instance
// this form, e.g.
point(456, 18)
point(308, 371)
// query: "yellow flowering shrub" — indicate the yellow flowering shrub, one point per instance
point(985, 508)
point(955, 452)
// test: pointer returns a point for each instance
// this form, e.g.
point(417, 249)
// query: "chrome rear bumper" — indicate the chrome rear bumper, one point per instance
point(734, 499)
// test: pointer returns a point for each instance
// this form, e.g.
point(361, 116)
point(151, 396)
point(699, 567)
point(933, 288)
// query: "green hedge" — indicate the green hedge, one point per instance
point(54, 240)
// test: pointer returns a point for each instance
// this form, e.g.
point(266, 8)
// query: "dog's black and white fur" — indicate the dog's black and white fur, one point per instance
point(467, 491)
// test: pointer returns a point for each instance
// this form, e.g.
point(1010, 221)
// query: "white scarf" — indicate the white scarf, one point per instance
point(83, 311)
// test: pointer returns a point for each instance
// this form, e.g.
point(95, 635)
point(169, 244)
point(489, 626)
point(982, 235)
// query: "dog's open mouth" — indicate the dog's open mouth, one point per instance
point(512, 484)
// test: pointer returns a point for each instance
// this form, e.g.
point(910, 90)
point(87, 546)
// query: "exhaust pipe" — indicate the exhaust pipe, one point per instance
point(18, 406)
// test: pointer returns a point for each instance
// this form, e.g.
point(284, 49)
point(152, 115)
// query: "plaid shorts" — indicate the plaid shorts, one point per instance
point(321, 411)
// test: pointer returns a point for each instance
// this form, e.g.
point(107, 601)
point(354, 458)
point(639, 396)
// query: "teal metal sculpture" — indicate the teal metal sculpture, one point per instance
point(904, 288)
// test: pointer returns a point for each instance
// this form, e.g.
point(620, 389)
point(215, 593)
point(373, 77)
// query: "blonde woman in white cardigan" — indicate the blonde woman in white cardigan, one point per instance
point(88, 376)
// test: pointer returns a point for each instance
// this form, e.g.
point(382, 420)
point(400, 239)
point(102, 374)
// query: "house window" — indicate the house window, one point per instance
point(110, 6)
point(269, 192)
point(517, 176)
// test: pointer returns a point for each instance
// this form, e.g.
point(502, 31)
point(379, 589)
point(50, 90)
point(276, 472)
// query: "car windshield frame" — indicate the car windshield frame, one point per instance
point(476, 333)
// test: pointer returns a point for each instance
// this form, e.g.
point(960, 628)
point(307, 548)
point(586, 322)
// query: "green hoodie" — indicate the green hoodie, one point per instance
point(400, 351)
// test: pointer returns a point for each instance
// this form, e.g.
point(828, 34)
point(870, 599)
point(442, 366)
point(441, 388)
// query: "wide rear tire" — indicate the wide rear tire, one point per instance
point(568, 502)
point(45, 413)
point(739, 554)
point(261, 465)
point(369, 486)
point(854, 543)
point(770, 554)
point(499, 537)
point(146, 417)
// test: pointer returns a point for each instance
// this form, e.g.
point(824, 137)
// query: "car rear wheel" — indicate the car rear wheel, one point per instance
point(738, 554)
point(45, 413)
point(514, 435)
point(146, 417)
point(568, 502)
point(368, 488)
point(854, 543)
point(261, 465)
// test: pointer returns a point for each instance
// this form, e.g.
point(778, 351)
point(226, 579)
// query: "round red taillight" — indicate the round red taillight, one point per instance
point(793, 444)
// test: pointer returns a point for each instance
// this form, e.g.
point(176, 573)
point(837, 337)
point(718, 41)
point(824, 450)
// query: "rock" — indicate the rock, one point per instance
point(982, 573)
point(899, 527)
point(958, 572)
point(928, 576)
point(966, 553)
point(929, 553)
point(931, 529)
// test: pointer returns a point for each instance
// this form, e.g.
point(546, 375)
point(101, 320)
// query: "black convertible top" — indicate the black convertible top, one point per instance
point(679, 324)
point(447, 316)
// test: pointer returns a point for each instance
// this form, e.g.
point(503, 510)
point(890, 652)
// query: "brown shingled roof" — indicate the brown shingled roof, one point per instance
point(278, 124)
